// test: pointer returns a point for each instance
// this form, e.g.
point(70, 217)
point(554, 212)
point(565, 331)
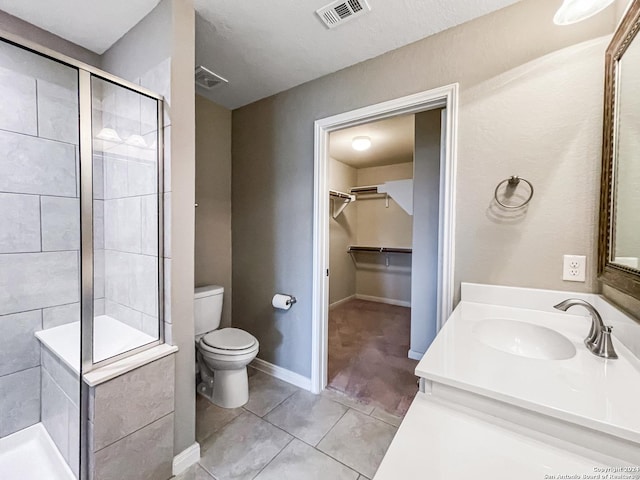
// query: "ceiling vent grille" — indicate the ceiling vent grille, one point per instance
point(206, 79)
point(337, 13)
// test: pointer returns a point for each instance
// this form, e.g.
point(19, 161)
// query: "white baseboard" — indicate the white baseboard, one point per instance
point(189, 456)
point(340, 302)
point(282, 374)
point(388, 301)
point(413, 355)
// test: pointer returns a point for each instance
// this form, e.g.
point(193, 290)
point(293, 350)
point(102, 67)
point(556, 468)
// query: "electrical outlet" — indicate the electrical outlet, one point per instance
point(575, 267)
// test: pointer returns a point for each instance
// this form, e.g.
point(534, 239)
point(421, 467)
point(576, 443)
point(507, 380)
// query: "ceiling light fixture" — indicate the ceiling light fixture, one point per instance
point(573, 11)
point(361, 143)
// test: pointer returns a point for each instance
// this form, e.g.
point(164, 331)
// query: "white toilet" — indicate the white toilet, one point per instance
point(223, 355)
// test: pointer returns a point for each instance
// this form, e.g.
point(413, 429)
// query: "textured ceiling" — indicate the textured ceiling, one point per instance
point(92, 24)
point(267, 46)
point(391, 142)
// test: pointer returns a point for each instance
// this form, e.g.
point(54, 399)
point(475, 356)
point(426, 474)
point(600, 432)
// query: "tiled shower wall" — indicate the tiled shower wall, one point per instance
point(40, 238)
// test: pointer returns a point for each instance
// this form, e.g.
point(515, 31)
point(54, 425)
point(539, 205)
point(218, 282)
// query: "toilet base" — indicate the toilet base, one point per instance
point(230, 388)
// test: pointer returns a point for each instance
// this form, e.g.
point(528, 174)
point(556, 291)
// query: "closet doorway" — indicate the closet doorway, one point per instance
point(383, 245)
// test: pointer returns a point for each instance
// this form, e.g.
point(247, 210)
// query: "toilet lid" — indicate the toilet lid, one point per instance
point(229, 339)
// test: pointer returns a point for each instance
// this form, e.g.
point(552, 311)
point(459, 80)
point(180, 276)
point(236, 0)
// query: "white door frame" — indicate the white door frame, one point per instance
point(446, 97)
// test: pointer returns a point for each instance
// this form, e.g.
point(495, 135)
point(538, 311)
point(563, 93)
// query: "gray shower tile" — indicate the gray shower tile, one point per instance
point(60, 223)
point(98, 274)
point(115, 177)
point(55, 413)
point(158, 79)
point(359, 441)
point(127, 315)
point(167, 159)
point(98, 224)
point(142, 177)
point(58, 112)
point(37, 166)
point(150, 325)
point(167, 290)
point(266, 393)
point(133, 400)
point(60, 315)
point(149, 225)
point(29, 281)
point(122, 224)
point(19, 400)
point(98, 176)
point(299, 461)
point(20, 220)
point(19, 348)
point(242, 448)
point(143, 455)
point(132, 280)
point(306, 416)
point(65, 378)
point(73, 458)
point(167, 225)
point(98, 307)
point(17, 103)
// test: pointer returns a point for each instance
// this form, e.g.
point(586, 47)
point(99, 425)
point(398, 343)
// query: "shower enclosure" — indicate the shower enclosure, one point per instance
point(80, 247)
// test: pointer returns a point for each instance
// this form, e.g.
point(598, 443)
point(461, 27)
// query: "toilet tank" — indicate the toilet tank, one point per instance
point(207, 306)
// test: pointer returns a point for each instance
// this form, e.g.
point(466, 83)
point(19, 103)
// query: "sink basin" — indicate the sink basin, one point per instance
point(524, 339)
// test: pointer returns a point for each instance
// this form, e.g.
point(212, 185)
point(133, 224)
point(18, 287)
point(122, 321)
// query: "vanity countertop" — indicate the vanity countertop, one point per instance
point(584, 389)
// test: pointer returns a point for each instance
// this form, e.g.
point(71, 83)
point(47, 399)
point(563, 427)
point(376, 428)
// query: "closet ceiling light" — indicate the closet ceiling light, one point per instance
point(109, 134)
point(361, 143)
point(573, 11)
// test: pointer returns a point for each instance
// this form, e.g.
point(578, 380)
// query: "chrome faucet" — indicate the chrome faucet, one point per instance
point(598, 340)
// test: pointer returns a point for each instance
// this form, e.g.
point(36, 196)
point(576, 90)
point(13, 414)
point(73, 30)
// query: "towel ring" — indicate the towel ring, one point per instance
point(513, 182)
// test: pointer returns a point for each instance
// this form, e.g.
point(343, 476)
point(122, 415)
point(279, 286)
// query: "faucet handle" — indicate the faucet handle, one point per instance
point(603, 346)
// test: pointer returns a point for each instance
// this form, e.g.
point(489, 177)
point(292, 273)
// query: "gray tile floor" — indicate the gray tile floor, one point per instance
point(285, 433)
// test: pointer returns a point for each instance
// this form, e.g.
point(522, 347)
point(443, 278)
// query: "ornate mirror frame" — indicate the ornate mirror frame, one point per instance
point(621, 278)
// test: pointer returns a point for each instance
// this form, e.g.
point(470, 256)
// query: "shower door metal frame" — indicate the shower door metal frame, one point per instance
point(85, 74)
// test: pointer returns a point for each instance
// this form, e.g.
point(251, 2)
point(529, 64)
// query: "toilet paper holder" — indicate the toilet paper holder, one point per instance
point(291, 299)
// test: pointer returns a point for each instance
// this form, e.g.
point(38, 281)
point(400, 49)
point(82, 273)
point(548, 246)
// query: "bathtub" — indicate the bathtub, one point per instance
point(110, 337)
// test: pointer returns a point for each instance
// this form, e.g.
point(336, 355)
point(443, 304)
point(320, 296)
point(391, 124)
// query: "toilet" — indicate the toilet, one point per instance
point(222, 355)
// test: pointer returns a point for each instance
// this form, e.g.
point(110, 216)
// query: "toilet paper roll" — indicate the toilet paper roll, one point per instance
point(283, 302)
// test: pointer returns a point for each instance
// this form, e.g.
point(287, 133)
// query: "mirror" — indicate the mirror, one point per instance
point(619, 246)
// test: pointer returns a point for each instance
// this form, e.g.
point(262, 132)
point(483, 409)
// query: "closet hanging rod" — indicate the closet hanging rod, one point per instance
point(368, 189)
point(354, 248)
point(337, 194)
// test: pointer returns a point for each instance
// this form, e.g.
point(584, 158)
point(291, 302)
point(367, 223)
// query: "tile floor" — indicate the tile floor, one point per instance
point(285, 433)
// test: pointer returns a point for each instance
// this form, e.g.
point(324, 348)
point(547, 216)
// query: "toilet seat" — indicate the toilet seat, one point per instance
point(229, 341)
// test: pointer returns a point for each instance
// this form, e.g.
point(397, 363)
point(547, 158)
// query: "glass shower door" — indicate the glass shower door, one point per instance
point(127, 220)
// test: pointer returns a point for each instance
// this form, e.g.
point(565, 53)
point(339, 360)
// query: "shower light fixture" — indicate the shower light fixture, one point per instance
point(361, 143)
point(573, 11)
point(109, 134)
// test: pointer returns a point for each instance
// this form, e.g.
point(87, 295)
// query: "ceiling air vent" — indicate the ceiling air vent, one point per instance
point(337, 13)
point(205, 78)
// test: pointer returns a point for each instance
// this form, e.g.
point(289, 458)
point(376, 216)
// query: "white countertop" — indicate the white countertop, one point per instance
point(437, 442)
point(586, 390)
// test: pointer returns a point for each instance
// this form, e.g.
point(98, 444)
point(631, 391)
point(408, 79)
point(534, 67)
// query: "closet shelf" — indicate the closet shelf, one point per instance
point(358, 248)
point(340, 201)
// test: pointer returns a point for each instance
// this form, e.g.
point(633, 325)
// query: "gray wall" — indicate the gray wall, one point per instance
point(342, 233)
point(213, 196)
point(159, 53)
point(385, 227)
point(426, 222)
point(531, 104)
point(39, 238)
